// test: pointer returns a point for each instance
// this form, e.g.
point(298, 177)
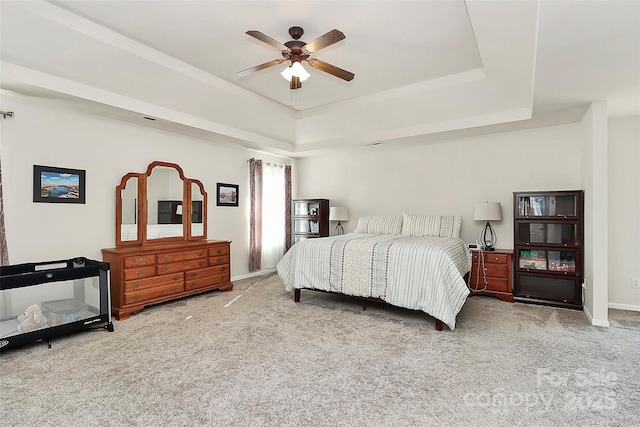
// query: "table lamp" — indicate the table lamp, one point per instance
point(339, 213)
point(488, 211)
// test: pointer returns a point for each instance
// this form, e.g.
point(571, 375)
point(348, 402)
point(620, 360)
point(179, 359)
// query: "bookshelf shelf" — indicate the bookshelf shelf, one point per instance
point(548, 247)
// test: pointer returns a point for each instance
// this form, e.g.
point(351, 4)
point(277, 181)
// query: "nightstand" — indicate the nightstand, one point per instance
point(497, 267)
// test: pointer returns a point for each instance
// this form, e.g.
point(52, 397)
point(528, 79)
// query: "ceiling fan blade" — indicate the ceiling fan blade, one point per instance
point(333, 36)
point(331, 69)
point(268, 40)
point(260, 67)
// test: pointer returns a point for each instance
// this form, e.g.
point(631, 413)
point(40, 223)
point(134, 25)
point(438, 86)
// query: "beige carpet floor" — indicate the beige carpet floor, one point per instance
point(253, 357)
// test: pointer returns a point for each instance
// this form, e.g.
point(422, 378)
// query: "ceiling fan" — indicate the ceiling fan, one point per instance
point(298, 51)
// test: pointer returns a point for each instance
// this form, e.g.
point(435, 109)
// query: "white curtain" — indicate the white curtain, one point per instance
point(273, 212)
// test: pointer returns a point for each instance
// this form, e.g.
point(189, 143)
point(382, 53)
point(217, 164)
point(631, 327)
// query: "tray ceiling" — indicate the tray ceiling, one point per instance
point(421, 67)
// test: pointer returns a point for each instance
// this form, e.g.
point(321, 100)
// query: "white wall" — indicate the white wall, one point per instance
point(594, 154)
point(443, 177)
point(624, 217)
point(48, 133)
point(446, 177)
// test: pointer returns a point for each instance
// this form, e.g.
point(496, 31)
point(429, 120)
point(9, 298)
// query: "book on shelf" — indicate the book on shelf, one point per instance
point(537, 205)
point(524, 207)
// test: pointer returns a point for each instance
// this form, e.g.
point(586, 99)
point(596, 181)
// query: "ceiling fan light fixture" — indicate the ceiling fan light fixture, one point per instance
point(287, 73)
point(297, 70)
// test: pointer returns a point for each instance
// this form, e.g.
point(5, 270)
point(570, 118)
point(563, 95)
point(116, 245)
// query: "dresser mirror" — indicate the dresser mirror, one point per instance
point(150, 206)
point(198, 209)
point(165, 196)
point(127, 210)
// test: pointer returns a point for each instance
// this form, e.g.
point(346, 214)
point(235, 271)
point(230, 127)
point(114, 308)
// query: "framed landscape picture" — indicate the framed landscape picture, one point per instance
point(58, 185)
point(227, 195)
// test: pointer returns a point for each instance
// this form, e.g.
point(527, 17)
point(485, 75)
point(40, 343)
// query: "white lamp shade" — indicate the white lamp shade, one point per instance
point(287, 74)
point(296, 69)
point(179, 210)
point(487, 211)
point(338, 213)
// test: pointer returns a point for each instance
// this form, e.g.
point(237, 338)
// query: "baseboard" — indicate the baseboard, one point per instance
point(594, 322)
point(255, 274)
point(628, 307)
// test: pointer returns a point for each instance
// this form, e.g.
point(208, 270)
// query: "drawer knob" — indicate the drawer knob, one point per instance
point(202, 253)
point(135, 286)
point(176, 288)
point(166, 258)
point(201, 263)
point(223, 269)
point(176, 277)
point(140, 273)
point(140, 261)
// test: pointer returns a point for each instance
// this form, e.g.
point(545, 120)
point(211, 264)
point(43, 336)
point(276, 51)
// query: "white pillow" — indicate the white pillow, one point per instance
point(379, 225)
point(450, 226)
point(420, 225)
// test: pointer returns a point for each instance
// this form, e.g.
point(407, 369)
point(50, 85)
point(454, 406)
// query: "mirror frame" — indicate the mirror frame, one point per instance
point(119, 189)
point(189, 183)
point(143, 207)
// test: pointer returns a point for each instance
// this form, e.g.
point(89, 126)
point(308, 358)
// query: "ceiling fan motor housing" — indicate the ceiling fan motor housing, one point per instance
point(296, 32)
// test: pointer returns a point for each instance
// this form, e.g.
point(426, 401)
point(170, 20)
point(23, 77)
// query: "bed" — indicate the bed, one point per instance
point(415, 262)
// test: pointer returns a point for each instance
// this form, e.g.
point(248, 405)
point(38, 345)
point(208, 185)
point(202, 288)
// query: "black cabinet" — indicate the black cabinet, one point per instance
point(549, 247)
point(170, 211)
point(310, 218)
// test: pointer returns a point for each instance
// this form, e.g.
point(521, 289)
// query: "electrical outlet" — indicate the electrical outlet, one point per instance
point(635, 282)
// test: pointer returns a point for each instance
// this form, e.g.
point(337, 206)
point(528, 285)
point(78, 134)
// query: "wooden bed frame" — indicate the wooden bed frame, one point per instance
point(363, 300)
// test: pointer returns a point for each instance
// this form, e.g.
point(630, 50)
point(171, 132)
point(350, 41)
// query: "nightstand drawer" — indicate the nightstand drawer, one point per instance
point(493, 284)
point(492, 270)
point(490, 258)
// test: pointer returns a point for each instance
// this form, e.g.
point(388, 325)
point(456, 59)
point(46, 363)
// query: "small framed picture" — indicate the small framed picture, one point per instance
point(58, 185)
point(227, 195)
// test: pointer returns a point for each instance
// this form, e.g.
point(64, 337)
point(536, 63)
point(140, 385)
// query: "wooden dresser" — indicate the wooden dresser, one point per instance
point(496, 268)
point(152, 273)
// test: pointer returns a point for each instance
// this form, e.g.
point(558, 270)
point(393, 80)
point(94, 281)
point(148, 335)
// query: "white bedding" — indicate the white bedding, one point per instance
point(416, 272)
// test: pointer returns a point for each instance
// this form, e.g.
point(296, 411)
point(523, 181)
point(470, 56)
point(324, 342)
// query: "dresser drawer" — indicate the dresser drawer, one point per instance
point(181, 255)
point(140, 272)
point(139, 260)
point(150, 282)
point(154, 292)
point(490, 258)
point(210, 271)
point(202, 282)
point(219, 260)
point(182, 266)
point(219, 250)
